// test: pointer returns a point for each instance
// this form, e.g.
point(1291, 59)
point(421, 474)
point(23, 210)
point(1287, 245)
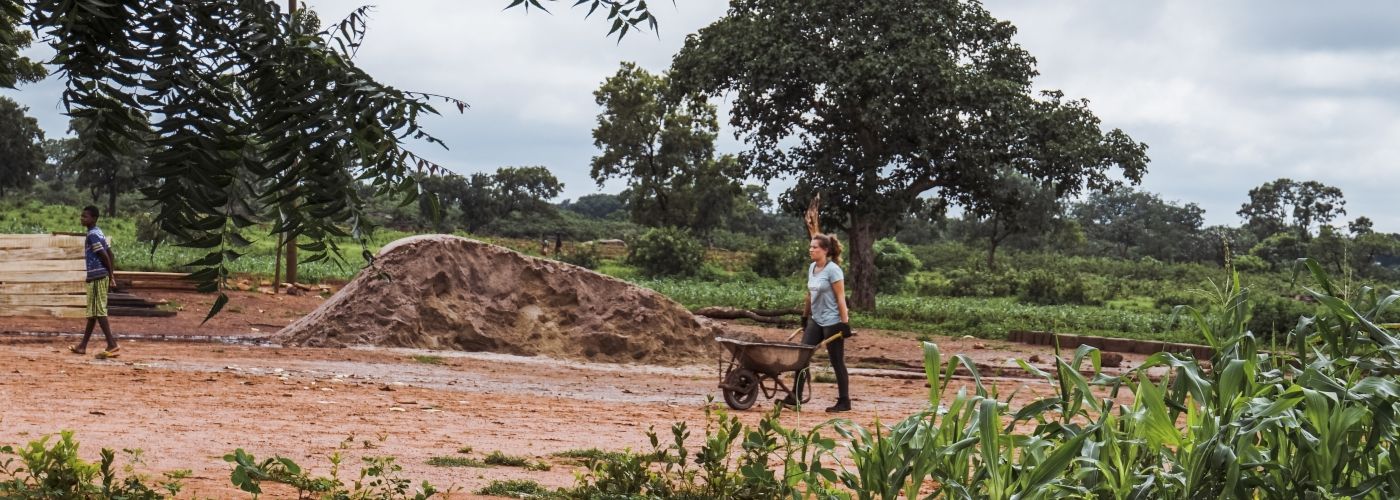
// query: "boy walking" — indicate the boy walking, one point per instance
point(99, 273)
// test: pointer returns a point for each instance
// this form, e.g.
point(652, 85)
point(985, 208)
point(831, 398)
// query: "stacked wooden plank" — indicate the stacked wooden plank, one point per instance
point(142, 280)
point(43, 275)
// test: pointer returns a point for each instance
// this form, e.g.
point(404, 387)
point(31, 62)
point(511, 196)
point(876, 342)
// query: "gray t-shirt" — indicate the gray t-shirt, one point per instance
point(824, 310)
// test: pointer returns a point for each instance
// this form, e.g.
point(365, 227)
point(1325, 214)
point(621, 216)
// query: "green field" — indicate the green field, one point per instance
point(950, 296)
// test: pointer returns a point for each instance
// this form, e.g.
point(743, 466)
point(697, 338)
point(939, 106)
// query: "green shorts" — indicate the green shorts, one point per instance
point(97, 298)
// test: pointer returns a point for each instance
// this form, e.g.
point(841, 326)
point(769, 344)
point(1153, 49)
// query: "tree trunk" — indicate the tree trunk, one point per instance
point(112, 199)
point(277, 266)
point(292, 260)
point(992, 254)
point(861, 282)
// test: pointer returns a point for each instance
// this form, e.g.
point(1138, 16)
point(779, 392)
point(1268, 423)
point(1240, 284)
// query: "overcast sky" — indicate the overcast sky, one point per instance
point(1227, 95)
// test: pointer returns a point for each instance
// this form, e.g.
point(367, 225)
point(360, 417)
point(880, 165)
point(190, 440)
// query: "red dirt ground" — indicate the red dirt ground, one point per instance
point(185, 404)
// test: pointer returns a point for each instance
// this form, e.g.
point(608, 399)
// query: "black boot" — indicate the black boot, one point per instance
point(790, 402)
point(841, 405)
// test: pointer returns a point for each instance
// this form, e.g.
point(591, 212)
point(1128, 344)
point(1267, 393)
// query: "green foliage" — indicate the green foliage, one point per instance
point(894, 262)
point(1138, 223)
point(665, 150)
point(1279, 249)
point(379, 478)
point(16, 68)
point(1287, 205)
point(666, 251)
point(1311, 417)
point(766, 460)
point(585, 256)
point(498, 458)
point(518, 488)
point(21, 140)
point(455, 462)
point(136, 255)
point(776, 260)
point(873, 149)
point(56, 471)
point(1045, 288)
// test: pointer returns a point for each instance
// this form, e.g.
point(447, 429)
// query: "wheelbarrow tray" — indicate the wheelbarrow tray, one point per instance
point(769, 358)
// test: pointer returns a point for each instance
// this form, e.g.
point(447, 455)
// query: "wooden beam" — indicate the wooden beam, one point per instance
point(9, 254)
point(148, 275)
point(813, 216)
point(40, 241)
point(138, 311)
point(54, 288)
point(41, 276)
point(44, 300)
point(6, 264)
point(44, 312)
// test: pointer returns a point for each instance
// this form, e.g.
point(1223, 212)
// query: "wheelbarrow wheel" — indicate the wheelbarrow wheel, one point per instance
point(742, 389)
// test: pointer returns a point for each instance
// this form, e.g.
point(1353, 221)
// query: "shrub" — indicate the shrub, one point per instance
point(1047, 288)
point(780, 259)
point(1251, 264)
point(666, 251)
point(517, 488)
point(1276, 315)
point(585, 256)
point(57, 472)
point(893, 262)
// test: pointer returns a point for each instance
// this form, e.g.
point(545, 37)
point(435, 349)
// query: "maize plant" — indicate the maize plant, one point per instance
point(1314, 418)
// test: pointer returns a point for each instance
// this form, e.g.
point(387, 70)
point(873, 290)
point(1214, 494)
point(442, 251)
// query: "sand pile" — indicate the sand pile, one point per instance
point(446, 292)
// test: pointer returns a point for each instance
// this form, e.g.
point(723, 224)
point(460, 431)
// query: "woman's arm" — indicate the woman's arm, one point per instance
point(807, 309)
point(838, 288)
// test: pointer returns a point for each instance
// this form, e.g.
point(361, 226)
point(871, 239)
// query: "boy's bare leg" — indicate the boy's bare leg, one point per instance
point(106, 332)
point(81, 348)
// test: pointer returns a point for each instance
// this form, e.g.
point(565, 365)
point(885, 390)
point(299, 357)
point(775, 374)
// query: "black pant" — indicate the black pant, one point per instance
point(836, 350)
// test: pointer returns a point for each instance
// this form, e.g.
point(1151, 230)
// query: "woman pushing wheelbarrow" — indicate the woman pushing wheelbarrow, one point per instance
point(758, 366)
point(826, 316)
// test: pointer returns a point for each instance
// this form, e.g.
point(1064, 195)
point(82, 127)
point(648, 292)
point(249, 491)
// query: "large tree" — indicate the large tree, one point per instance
point(873, 104)
point(101, 174)
point(665, 149)
point(1285, 204)
point(1130, 220)
point(1020, 207)
point(21, 146)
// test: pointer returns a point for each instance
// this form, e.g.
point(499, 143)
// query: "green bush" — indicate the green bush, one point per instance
point(780, 260)
point(1276, 315)
point(56, 471)
point(666, 251)
point(893, 262)
point(1046, 288)
point(585, 256)
point(1251, 264)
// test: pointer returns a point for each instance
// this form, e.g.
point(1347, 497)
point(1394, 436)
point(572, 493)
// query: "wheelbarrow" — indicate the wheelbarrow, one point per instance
point(755, 367)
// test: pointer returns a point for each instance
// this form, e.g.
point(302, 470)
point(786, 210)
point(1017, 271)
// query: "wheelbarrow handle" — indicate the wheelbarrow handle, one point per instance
point(831, 339)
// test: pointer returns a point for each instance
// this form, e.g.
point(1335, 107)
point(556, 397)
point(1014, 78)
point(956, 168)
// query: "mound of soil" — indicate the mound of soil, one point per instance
point(446, 292)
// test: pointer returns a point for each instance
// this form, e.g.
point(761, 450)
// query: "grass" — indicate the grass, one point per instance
point(499, 458)
point(430, 360)
point(465, 450)
point(592, 453)
point(455, 462)
point(517, 488)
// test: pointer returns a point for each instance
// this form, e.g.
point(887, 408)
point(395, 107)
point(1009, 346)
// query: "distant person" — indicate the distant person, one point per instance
point(826, 315)
point(100, 269)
